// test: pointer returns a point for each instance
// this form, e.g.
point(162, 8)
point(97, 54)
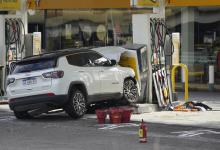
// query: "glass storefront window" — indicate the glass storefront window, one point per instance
point(200, 40)
point(83, 28)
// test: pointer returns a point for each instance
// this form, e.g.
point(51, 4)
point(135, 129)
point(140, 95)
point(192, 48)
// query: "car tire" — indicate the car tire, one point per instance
point(76, 107)
point(130, 91)
point(22, 115)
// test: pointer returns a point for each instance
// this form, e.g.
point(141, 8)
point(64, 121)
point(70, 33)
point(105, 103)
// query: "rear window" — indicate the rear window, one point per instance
point(34, 65)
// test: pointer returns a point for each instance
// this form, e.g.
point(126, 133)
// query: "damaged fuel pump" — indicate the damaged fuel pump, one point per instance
point(135, 58)
point(162, 51)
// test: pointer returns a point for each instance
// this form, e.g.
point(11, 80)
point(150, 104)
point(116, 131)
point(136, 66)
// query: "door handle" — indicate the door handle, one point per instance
point(102, 71)
point(81, 71)
point(115, 82)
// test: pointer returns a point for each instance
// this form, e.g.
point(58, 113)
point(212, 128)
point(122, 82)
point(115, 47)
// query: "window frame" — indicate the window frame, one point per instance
point(104, 65)
point(89, 58)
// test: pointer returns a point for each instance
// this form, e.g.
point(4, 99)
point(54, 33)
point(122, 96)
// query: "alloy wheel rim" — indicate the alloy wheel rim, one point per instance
point(130, 91)
point(79, 103)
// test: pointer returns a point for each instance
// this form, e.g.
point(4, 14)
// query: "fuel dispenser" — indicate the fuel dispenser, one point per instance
point(12, 31)
point(135, 57)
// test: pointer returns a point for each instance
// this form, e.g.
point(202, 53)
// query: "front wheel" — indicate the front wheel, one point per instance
point(76, 106)
point(130, 91)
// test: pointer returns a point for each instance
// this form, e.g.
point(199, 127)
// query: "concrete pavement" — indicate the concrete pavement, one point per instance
point(209, 119)
point(60, 132)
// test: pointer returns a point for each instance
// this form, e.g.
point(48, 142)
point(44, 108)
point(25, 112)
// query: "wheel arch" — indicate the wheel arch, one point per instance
point(79, 85)
point(131, 78)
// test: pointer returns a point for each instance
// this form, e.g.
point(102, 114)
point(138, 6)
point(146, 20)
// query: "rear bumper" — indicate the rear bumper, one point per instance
point(37, 102)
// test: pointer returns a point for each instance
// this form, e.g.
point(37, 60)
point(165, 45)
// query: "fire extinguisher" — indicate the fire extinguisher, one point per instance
point(142, 132)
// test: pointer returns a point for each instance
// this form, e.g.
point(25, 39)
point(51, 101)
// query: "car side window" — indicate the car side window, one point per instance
point(77, 59)
point(97, 59)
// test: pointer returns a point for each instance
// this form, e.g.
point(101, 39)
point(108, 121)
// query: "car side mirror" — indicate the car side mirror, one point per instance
point(113, 62)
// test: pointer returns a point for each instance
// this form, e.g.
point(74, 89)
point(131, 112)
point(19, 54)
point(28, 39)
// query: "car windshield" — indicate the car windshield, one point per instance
point(34, 65)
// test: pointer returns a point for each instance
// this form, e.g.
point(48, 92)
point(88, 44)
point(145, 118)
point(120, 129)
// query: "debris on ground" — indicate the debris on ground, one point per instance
point(189, 107)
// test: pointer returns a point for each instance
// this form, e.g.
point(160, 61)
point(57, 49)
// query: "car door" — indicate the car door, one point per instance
point(109, 75)
point(85, 71)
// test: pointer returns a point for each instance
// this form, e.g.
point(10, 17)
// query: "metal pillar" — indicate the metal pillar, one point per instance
point(187, 37)
point(141, 35)
point(211, 77)
point(2, 52)
point(141, 32)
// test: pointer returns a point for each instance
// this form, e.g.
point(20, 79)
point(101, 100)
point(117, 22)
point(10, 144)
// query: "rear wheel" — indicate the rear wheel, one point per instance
point(130, 91)
point(22, 115)
point(76, 106)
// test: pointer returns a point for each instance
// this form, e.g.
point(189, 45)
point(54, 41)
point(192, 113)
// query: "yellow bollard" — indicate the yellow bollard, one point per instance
point(186, 95)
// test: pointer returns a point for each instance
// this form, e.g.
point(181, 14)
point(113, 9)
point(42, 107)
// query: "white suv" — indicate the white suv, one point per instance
point(68, 79)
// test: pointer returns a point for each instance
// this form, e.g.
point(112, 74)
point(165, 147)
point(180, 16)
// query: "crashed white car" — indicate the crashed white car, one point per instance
point(68, 79)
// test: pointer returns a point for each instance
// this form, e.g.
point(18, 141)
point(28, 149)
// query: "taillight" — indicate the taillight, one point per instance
point(50, 94)
point(53, 74)
point(10, 81)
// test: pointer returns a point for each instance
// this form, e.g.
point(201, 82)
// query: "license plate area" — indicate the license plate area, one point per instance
point(29, 81)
